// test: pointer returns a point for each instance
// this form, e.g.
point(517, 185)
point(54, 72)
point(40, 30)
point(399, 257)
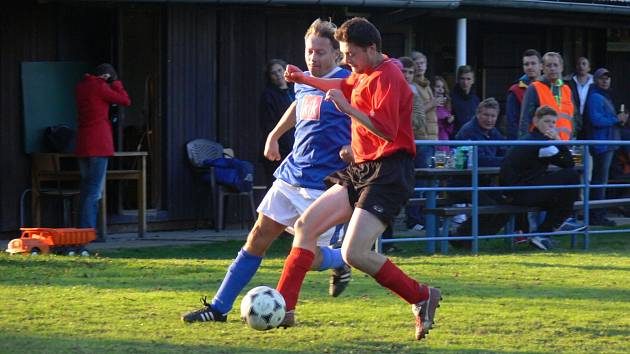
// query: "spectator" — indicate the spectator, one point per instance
point(465, 102)
point(446, 119)
point(481, 128)
point(603, 123)
point(527, 165)
point(553, 92)
point(424, 128)
point(532, 66)
point(580, 83)
point(95, 143)
point(276, 98)
point(484, 128)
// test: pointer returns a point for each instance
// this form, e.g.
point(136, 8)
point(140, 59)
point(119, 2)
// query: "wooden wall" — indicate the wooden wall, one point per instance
point(30, 32)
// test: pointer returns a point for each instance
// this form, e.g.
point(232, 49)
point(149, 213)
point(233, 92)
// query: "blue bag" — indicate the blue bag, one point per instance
point(233, 173)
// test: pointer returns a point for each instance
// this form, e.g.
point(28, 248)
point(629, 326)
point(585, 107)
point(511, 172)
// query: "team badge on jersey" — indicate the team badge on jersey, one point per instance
point(310, 107)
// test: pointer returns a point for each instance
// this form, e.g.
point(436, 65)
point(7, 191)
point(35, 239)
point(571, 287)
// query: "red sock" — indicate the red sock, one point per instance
point(399, 283)
point(296, 265)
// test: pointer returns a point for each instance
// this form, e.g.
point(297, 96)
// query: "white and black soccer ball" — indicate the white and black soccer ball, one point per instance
point(263, 308)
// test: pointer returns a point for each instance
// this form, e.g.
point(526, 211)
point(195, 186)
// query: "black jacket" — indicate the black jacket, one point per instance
point(274, 102)
point(522, 164)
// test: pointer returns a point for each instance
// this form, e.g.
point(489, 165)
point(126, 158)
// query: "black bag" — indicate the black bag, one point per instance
point(233, 173)
point(59, 138)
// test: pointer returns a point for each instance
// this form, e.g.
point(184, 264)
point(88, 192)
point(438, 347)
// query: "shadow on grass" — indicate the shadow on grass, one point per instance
point(41, 344)
point(214, 250)
point(49, 344)
point(202, 278)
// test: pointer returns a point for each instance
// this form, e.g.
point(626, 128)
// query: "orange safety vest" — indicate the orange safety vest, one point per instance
point(565, 109)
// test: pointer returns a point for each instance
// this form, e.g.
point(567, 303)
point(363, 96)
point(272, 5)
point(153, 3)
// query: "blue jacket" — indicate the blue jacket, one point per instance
point(601, 118)
point(464, 106)
point(489, 156)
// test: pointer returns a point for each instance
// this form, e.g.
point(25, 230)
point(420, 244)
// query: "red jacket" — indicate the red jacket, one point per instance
point(94, 96)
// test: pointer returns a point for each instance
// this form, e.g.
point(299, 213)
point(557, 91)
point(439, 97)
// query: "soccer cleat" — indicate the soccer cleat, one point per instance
point(204, 314)
point(424, 312)
point(339, 279)
point(289, 320)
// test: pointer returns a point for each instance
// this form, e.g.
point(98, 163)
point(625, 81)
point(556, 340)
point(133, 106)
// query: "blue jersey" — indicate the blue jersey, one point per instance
point(320, 132)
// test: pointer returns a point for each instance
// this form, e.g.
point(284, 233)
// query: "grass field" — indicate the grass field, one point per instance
point(129, 301)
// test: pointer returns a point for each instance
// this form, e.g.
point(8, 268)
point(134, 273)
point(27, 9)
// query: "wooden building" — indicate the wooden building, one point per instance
point(194, 68)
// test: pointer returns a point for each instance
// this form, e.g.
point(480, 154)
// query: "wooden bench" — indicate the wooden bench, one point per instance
point(446, 213)
point(517, 209)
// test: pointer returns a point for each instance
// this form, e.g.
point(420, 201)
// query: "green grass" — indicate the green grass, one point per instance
point(129, 301)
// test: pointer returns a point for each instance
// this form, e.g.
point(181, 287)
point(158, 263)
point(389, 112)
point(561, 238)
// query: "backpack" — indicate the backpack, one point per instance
point(59, 138)
point(235, 174)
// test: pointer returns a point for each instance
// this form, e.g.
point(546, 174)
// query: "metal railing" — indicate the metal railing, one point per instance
point(474, 188)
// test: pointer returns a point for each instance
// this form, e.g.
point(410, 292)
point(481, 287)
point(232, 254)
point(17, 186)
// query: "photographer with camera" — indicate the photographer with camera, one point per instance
point(95, 93)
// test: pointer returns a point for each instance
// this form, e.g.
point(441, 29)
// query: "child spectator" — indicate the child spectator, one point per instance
point(445, 118)
point(424, 128)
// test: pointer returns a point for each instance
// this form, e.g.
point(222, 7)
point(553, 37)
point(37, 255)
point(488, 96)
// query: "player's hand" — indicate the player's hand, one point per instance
point(338, 99)
point(272, 150)
point(623, 118)
point(439, 101)
point(293, 74)
point(450, 119)
point(345, 153)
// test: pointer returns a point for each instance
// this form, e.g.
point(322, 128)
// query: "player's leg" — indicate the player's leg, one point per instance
point(275, 206)
point(326, 256)
point(363, 230)
point(332, 208)
point(389, 186)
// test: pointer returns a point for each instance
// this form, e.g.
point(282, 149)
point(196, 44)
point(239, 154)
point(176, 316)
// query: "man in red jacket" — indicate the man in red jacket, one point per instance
point(95, 143)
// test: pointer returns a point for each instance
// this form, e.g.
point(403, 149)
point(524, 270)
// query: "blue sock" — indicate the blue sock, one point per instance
point(331, 258)
point(237, 277)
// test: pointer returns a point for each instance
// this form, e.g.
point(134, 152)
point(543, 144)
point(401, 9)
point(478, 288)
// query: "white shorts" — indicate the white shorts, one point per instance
point(284, 204)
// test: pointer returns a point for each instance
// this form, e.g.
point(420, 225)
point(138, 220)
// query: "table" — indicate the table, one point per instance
point(53, 172)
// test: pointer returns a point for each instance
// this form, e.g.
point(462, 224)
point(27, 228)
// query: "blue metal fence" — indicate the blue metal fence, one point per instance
point(475, 188)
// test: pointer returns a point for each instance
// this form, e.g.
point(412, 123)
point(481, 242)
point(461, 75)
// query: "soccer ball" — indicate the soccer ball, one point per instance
point(263, 308)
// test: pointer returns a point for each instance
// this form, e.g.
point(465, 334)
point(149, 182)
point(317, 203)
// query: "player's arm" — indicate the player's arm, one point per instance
point(272, 150)
point(294, 74)
point(344, 106)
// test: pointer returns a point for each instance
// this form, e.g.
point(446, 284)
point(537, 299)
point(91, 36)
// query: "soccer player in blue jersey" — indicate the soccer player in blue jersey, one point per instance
point(322, 136)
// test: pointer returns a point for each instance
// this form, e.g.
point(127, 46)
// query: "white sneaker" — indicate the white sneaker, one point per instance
point(417, 227)
point(539, 242)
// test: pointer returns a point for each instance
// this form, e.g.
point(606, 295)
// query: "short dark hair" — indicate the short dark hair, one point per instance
point(105, 68)
point(407, 62)
point(324, 29)
point(270, 64)
point(464, 69)
point(360, 32)
point(489, 103)
point(553, 54)
point(545, 111)
point(531, 53)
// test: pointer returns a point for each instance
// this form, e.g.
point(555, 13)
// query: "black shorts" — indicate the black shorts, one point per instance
point(381, 187)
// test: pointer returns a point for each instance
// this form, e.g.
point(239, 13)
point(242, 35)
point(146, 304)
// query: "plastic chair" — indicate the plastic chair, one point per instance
point(200, 150)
